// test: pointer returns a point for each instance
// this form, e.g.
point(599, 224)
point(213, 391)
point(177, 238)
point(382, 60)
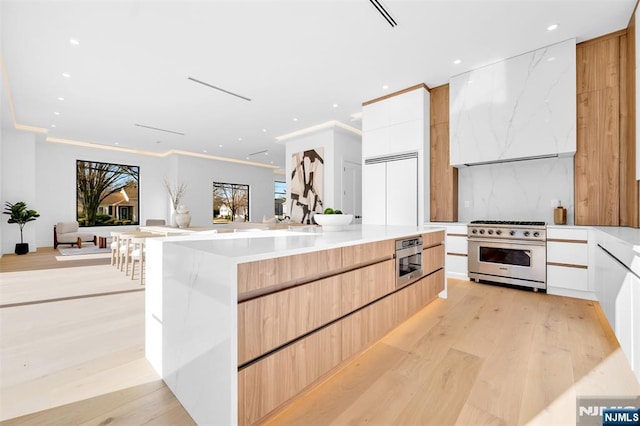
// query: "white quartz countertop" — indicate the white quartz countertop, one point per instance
point(257, 245)
point(630, 236)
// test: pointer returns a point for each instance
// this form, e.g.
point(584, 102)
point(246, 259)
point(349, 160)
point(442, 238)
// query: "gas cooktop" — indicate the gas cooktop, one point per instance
point(507, 222)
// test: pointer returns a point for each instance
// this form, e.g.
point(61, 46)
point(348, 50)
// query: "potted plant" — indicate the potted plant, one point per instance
point(18, 213)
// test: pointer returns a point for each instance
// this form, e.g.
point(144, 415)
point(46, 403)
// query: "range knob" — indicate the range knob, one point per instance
point(512, 233)
point(482, 231)
point(499, 232)
point(474, 231)
point(536, 234)
point(526, 233)
point(490, 231)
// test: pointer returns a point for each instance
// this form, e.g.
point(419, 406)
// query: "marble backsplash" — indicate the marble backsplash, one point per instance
point(520, 190)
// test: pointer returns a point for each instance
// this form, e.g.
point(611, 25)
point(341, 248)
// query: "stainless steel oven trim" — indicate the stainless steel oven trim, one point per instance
point(404, 252)
point(478, 270)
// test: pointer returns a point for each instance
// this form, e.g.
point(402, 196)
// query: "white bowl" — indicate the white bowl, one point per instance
point(333, 222)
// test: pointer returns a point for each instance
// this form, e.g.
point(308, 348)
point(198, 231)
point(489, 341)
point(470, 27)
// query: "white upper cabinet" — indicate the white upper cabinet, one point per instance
point(523, 107)
point(396, 124)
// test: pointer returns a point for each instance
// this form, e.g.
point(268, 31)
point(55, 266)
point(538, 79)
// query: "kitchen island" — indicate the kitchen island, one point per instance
point(239, 324)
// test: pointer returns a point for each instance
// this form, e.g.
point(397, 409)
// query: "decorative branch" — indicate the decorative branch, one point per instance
point(175, 193)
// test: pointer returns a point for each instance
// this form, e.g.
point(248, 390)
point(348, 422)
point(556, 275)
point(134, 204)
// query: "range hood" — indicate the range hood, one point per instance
point(512, 160)
point(523, 108)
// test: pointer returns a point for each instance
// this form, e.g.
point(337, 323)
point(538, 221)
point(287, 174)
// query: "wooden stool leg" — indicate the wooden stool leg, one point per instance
point(79, 242)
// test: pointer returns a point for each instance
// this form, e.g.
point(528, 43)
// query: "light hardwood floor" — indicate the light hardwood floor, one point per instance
point(485, 355)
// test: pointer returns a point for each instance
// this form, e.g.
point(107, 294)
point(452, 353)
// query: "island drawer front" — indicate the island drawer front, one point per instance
point(275, 319)
point(432, 259)
point(364, 285)
point(433, 238)
point(365, 253)
point(270, 272)
point(413, 298)
point(267, 384)
point(270, 382)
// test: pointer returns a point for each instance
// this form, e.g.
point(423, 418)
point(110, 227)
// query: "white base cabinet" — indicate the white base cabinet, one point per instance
point(456, 252)
point(618, 291)
point(568, 262)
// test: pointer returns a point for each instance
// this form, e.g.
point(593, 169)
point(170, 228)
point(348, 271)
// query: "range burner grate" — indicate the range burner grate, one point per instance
point(507, 222)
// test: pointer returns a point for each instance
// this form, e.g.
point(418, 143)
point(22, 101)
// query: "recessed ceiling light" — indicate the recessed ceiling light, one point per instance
point(385, 87)
point(264, 130)
point(53, 125)
point(220, 146)
point(552, 27)
point(295, 119)
point(66, 75)
point(240, 139)
point(56, 113)
point(74, 42)
point(457, 61)
point(335, 105)
point(204, 150)
point(60, 98)
point(271, 162)
point(266, 153)
point(551, 59)
point(247, 158)
point(117, 143)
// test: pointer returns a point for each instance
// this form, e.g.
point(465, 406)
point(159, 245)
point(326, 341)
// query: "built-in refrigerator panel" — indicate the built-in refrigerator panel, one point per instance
point(374, 194)
point(390, 190)
point(402, 192)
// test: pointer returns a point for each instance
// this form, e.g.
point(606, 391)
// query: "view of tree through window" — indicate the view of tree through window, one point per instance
point(106, 194)
point(280, 199)
point(230, 202)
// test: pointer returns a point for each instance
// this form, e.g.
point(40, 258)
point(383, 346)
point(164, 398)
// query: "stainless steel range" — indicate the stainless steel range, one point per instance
point(508, 252)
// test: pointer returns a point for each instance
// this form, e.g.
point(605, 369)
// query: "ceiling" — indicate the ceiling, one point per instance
point(301, 63)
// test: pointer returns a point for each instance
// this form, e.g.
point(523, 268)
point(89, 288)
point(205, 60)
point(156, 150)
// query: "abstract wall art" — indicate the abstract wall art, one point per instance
point(307, 185)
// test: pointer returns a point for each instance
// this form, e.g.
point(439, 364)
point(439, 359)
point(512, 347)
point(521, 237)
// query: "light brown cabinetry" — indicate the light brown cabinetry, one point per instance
point(443, 177)
point(270, 272)
point(291, 338)
point(605, 187)
point(268, 322)
point(265, 385)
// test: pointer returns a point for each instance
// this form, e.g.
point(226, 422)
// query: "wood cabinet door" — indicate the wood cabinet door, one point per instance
point(363, 253)
point(267, 384)
point(272, 272)
point(273, 320)
point(364, 285)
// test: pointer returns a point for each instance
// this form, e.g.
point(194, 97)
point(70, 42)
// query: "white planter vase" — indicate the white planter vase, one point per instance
point(182, 217)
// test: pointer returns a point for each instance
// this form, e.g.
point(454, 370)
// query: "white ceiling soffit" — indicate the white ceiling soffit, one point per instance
point(301, 63)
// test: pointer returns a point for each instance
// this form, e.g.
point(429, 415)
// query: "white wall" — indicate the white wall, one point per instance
point(521, 190)
point(47, 184)
point(19, 184)
point(347, 147)
point(199, 175)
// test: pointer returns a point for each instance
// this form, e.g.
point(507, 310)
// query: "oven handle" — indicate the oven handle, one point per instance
point(512, 242)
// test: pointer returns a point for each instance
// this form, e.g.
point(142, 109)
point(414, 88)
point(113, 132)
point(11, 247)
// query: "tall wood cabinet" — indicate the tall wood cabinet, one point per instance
point(605, 187)
point(443, 177)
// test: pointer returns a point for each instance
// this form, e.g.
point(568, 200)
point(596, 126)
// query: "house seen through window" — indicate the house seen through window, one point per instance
point(230, 202)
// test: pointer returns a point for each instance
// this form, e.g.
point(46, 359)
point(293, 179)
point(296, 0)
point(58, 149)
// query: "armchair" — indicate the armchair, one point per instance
point(68, 233)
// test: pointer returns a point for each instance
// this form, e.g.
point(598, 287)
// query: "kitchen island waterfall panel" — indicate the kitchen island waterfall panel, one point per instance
point(518, 108)
point(191, 308)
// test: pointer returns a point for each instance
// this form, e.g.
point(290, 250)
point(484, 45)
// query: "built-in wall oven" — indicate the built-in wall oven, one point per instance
point(408, 260)
point(508, 252)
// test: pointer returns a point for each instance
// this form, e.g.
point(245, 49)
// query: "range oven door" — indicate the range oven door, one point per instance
point(521, 263)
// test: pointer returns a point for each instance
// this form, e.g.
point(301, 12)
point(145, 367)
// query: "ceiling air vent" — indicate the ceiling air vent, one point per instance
point(160, 130)
point(385, 14)
point(219, 88)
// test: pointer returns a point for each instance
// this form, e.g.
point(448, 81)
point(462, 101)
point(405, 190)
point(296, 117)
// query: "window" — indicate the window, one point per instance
point(230, 202)
point(280, 198)
point(106, 194)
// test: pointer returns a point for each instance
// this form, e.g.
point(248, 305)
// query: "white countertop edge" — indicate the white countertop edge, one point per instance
point(257, 244)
